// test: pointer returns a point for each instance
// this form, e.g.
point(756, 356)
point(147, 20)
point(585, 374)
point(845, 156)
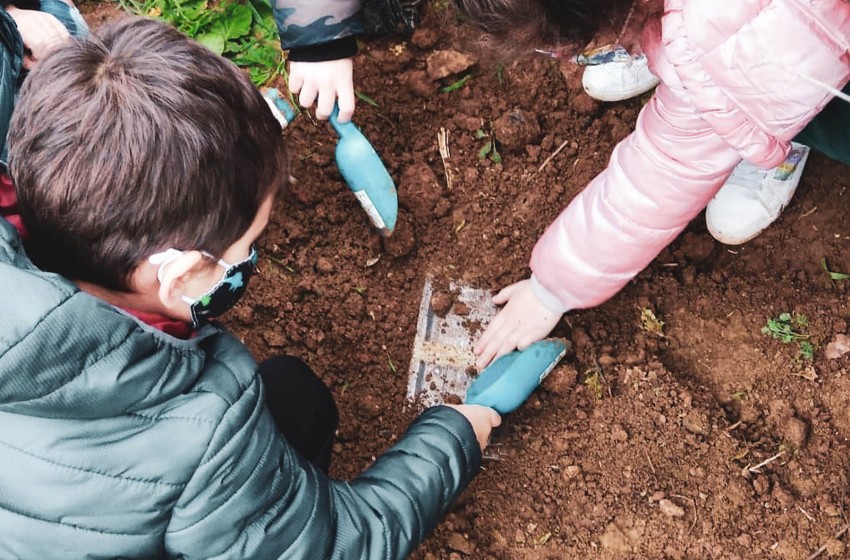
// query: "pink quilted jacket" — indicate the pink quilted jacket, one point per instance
point(738, 80)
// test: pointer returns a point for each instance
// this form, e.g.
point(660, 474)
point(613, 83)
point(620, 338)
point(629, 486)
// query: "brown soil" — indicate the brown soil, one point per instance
point(640, 445)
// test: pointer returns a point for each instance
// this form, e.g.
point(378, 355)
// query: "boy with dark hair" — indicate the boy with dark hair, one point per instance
point(130, 426)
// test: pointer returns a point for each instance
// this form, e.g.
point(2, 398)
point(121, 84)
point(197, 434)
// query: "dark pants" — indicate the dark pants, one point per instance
point(829, 132)
point(302, 407)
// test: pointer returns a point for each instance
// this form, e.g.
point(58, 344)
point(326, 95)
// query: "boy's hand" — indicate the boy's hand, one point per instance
point(331, 81)
point(39, 31)
point(482, 418)
point(523, 320)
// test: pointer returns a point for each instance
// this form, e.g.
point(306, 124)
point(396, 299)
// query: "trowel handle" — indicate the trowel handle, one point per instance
point(280, 107)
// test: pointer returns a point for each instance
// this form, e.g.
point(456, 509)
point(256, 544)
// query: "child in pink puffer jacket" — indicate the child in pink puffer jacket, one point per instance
point(737, 83)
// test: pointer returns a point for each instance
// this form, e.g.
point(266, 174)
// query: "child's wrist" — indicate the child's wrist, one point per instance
point(549, 300)
point(338, 49)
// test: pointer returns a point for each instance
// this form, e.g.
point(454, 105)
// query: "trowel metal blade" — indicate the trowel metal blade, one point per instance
point(442, 358)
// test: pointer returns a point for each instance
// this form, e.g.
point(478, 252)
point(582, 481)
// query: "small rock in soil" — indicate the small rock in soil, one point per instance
point(670, 509)
point(837, 347)
point(460, 543)
point(516, 129)
point(696, 422)
point(561, 380)
point(573, 471)
point(325, 265)
point(442, 64)
point(441, 302)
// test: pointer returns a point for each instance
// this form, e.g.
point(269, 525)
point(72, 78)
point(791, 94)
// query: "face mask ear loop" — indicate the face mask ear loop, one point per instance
point(163, 258)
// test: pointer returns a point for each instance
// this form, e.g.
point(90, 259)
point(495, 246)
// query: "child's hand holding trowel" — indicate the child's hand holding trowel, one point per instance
point(482, 418)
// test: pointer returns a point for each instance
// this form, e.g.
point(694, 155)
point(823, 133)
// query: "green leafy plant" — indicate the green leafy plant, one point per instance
point(456, 85)
point(366, 99)
point(488, 148)
point(790, 329)
point(245, 32)
point(594, 381)
point(833, 275)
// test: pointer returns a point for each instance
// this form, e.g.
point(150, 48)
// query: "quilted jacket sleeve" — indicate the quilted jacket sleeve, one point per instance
point(657, 180)
point(252, 496)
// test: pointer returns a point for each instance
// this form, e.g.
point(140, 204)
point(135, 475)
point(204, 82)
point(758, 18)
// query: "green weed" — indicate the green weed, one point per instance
point(366, 99)
point(457, 85)
point(488, 148)
point(833, 275)
point(593, 381)
point(790, 329)
point(245, 32)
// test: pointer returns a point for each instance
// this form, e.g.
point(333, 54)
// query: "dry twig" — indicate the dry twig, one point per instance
point(756, 468)
point(552, 156)
point(443, 143)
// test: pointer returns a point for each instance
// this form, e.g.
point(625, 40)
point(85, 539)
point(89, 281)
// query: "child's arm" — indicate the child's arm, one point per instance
point(39, 31)
point(253, 496)
point(658, 179)
point(320, 37)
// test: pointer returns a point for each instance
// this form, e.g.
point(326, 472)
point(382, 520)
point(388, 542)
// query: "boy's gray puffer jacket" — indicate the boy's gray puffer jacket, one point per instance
point(117, 440)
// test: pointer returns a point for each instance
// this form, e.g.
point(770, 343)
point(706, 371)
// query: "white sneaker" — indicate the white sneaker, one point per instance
point(619, 79)
point(752, 198)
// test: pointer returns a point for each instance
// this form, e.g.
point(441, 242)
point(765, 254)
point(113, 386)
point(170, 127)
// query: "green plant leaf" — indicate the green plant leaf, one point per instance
point(237, 21)
point(366, 99)
point(485, 149)
point(495, 156)
point(457, 85)
point(833, 275)
point(212, 41)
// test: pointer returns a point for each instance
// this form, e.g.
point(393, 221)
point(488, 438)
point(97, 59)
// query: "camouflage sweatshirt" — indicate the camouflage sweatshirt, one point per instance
point(315, 30)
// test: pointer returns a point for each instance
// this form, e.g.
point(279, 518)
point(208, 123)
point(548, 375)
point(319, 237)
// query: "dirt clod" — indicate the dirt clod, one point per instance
point(442, 64)
point(441, 303)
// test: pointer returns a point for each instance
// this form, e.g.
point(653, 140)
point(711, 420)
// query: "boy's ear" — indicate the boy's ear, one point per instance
point(176, 274)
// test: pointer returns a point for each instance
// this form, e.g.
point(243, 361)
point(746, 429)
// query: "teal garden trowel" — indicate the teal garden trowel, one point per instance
point(507, 382)
point(357, 161)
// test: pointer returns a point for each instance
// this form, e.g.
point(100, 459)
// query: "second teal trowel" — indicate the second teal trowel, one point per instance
point(506, 383)
point(357, 161)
